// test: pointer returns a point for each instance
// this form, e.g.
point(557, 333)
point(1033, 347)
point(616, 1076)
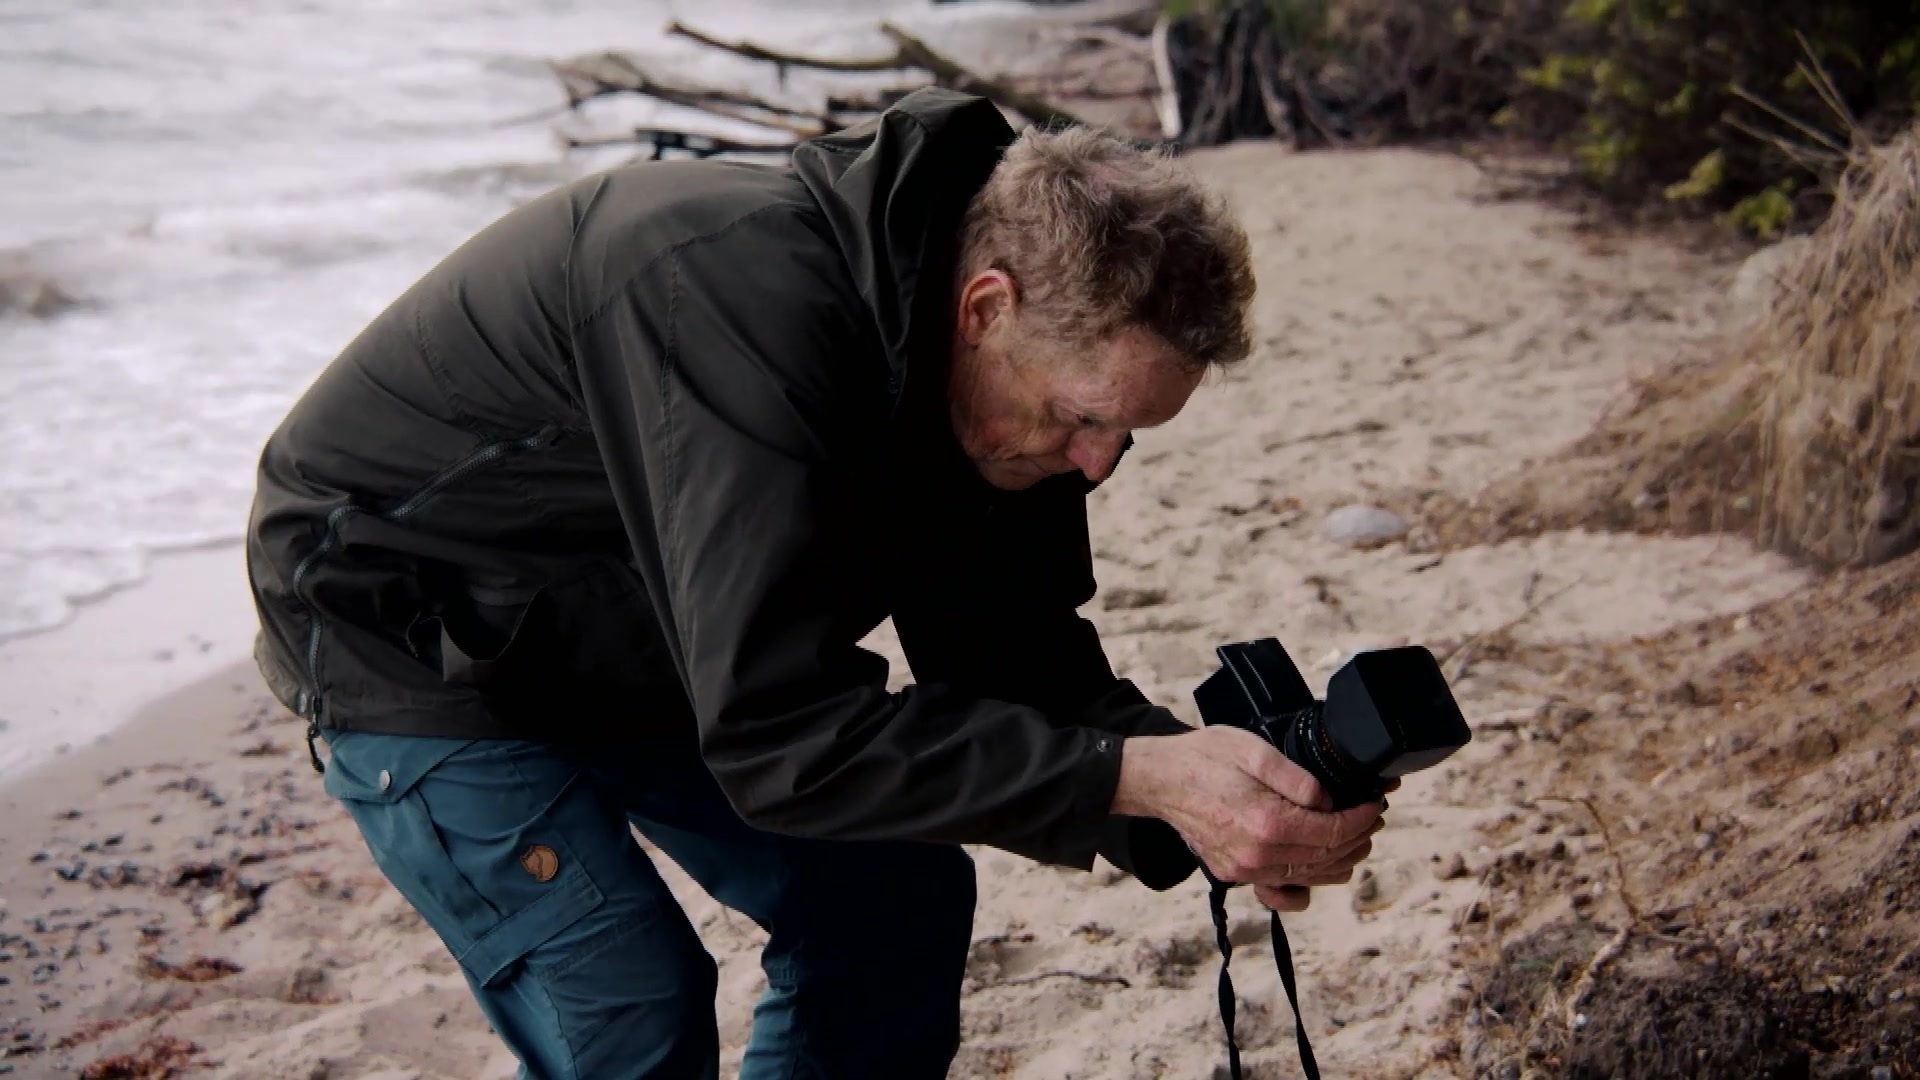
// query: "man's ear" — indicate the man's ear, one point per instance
point(987, 296)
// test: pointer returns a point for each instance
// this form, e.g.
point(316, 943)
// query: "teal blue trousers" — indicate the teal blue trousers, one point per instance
point(520, 858)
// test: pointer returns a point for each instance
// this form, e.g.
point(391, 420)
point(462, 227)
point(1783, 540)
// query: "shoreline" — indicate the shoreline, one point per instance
point(86, 680)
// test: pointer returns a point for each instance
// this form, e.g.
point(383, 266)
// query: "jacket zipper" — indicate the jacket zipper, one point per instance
point(432, 487)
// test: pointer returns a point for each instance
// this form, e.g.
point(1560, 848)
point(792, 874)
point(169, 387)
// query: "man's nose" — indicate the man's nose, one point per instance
point(1095, 453)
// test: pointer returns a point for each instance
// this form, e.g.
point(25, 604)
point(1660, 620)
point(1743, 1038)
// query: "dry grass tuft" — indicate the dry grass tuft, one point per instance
point(1800, 428)
point(1839, 348)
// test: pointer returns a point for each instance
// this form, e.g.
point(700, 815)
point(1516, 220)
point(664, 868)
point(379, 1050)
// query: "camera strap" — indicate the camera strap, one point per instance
point(1282, 960)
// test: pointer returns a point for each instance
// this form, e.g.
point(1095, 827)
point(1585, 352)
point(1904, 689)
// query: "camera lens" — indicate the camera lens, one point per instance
point(1309, 745)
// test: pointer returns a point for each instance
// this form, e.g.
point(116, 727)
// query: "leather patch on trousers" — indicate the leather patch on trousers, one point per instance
point(541, 862)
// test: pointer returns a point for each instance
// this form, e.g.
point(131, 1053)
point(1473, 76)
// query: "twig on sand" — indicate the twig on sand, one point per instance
point(1606, 836)
point(1457, 661)
point(1109, 980)
point(1584, 984)
point(1510, 719)
point(1568, 1011)
point(1362, 427)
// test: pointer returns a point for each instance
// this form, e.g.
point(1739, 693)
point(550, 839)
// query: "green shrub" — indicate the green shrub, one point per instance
point(1724, 107)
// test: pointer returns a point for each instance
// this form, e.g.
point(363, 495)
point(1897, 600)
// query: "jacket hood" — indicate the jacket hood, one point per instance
point(894, 190)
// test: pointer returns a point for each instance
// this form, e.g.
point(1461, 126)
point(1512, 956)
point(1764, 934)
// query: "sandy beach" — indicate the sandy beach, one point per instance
point(184, 892)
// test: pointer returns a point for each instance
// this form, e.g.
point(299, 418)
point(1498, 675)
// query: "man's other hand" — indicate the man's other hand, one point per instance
point(1253, 816)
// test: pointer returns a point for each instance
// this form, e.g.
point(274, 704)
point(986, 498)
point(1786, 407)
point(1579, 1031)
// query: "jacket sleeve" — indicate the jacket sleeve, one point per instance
point(1008, 625)
point(714, 387)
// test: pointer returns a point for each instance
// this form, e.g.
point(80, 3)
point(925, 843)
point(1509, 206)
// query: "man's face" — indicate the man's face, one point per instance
point(1024, 408)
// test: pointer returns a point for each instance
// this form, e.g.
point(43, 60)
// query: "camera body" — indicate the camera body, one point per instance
point(1387, 713)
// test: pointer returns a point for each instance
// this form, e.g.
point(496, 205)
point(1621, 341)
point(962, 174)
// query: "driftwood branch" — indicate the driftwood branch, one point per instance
point(951, 74)
point(1100, 35)
point(1168, 105)
point(787, 59)
point(870, 102)
point(698, 144)
point(588, 77)
point(909, 52)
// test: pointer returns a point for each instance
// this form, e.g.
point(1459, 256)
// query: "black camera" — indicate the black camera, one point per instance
point(1388, 712)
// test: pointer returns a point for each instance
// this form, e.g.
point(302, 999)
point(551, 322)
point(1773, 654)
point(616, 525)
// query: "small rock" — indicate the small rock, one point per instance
point(306, 986)
point(1455, 867)
point(1566, 719)
point(1876, 998)
point(27, 292)
point(1897, 995)
point(1367, 888)
point(1360, 525)
point(1128, 599)
point(237, 910)
point(1881, 1072)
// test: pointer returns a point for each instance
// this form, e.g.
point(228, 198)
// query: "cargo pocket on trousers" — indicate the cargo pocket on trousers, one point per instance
point(490, 907)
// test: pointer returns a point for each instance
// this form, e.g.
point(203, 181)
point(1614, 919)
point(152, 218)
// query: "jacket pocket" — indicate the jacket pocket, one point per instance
point(471, 634)
point(472, 837)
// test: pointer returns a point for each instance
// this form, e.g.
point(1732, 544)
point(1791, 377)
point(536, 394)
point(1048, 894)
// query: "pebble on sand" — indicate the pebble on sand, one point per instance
point(1367, 888)
point(1359, 525)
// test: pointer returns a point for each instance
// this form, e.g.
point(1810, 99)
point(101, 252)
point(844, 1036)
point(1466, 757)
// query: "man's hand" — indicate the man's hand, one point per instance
point(1249, 813)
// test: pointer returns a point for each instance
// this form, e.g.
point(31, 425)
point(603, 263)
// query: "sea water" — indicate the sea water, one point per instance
point(230, 189)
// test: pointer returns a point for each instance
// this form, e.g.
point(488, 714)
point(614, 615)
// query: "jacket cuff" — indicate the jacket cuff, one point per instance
point(1149, 849)
point(1082, 840)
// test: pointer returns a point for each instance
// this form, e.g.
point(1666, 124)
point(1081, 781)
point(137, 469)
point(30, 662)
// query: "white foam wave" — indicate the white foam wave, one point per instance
point(42, 591)
point(234, 212)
